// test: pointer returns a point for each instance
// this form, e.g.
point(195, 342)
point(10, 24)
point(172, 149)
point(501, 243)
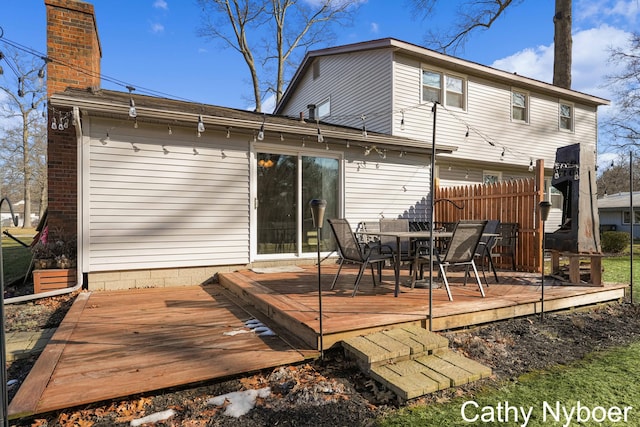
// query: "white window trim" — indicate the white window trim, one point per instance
point(443, 86)
point(527, 105)
point(573, 116)
point(627, 221)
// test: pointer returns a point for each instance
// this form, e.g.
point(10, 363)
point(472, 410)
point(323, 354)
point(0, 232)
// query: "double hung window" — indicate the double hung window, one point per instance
point(446, 89)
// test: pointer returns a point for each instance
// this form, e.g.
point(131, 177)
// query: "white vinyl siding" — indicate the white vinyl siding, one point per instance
point(156, 200)
point(357, 85)
point(390, 188)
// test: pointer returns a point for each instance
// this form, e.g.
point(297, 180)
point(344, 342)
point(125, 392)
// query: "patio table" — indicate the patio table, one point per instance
point(411, 235)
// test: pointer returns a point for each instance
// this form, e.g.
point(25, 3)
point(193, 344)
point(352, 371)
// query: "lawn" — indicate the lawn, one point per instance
point(597, 389)
point(16, 258)
point(617, 269)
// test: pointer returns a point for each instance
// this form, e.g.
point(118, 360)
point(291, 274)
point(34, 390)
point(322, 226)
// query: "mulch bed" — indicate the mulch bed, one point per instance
point(334, 392)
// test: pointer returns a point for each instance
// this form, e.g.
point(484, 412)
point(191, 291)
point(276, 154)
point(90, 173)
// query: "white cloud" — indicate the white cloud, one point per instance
point(157, 28)
point(161, 4)
point(375, 28)
point(623, 13)
point(590, 63)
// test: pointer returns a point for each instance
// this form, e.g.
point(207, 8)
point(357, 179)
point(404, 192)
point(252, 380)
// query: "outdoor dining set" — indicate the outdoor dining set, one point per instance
point(398, 242)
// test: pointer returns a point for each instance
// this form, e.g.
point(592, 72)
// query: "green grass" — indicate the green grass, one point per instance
point(617, 269)
point(606, 380)
point(16, 258)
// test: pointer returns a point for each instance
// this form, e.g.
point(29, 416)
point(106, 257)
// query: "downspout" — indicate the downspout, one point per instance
point(79, 283)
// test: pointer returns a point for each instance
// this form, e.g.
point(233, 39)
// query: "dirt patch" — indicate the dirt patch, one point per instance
point(334, 392)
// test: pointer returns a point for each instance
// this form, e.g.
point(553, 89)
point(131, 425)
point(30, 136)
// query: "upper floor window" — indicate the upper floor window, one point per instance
point(566, 116)
point(323, 109)
point(443, 88)
point(519, 106)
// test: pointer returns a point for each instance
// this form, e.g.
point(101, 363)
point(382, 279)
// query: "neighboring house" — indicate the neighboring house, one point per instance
point(500, 122)
point(615, 214)
point(174, 192)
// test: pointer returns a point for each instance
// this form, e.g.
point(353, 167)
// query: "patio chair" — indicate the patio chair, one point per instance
point(405, 252)
point(461, 251)
point(485, 248)
point(507, 242)
point(352, 251)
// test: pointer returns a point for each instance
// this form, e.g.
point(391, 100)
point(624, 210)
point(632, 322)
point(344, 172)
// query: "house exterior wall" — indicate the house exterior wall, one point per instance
point(363, 87)
point(151, 202)
point(395, 187)
point(487, 116)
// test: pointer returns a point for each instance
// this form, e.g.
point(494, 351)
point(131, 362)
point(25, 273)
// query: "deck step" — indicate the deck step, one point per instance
point(412, 361)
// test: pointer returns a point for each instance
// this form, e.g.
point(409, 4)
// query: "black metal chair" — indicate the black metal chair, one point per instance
point(352, 251)
point(461, 251)
point(485, 248)
point(405, 251)
point(507, 242)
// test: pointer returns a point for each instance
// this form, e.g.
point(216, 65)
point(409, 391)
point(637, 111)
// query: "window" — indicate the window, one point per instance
point(431, 86)
point(626, 219)
point(323, 109)
point(566, 116)
point(491, 177)
point(519, 106)
point(446, 89)
point(455, 93)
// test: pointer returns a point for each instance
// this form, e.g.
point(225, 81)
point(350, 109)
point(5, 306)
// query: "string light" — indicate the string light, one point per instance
point(165, 150)
point(402, 120)
point(261, 131)
point(133, 113)
point(364, 127)
point(169, 130)
point(200, 124)
point(320, 137)
point(530, 165)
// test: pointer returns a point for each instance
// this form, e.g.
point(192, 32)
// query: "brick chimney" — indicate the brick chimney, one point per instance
point(74, 50)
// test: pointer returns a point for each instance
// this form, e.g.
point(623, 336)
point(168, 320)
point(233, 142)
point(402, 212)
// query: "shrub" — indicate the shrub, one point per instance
point(614, 241)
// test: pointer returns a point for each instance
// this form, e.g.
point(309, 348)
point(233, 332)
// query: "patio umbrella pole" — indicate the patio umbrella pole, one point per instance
point(434, 109)
point(3, 356)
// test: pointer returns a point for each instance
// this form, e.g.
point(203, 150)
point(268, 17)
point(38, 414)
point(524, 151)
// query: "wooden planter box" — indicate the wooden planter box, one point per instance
point(50, 280)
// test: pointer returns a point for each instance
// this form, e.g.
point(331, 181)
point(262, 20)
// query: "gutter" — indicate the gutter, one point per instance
point(32, 297)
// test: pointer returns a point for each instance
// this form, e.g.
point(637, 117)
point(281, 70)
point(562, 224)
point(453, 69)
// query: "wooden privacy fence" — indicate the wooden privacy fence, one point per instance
point(510, 201)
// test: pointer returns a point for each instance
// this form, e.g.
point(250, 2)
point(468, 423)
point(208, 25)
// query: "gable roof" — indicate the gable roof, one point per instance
point(164, 111)
point(619, 201)
point(444, 61)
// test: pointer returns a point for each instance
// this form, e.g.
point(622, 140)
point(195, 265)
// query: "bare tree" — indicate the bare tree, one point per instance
point(624, 126)
point(615, 179)
point(476, 15)
point(269, 34)
point(23, 96)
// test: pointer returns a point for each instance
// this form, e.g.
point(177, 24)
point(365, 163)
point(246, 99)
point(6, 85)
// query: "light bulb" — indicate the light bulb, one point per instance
point(320, 137)
point(132, 109)
point(54, 125)
point(200, 124)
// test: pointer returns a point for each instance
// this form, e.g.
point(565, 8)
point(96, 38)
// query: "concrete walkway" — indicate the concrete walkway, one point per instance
point(23, 344)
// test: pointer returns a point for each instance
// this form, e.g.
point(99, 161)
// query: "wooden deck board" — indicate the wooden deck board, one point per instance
point(114, 344)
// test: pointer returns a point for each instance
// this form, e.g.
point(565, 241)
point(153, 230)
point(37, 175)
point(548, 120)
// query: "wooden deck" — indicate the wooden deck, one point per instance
point(119, 343)
point(115, 344)
point(291, 300)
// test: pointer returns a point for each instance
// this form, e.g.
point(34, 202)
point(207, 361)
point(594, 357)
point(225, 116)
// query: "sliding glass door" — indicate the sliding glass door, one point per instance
point(285, 185)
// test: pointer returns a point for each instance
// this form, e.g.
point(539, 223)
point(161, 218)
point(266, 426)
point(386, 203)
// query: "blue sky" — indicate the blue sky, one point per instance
point(153, 43)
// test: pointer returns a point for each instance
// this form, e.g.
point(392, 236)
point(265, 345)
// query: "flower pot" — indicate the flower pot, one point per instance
point(52, 279)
